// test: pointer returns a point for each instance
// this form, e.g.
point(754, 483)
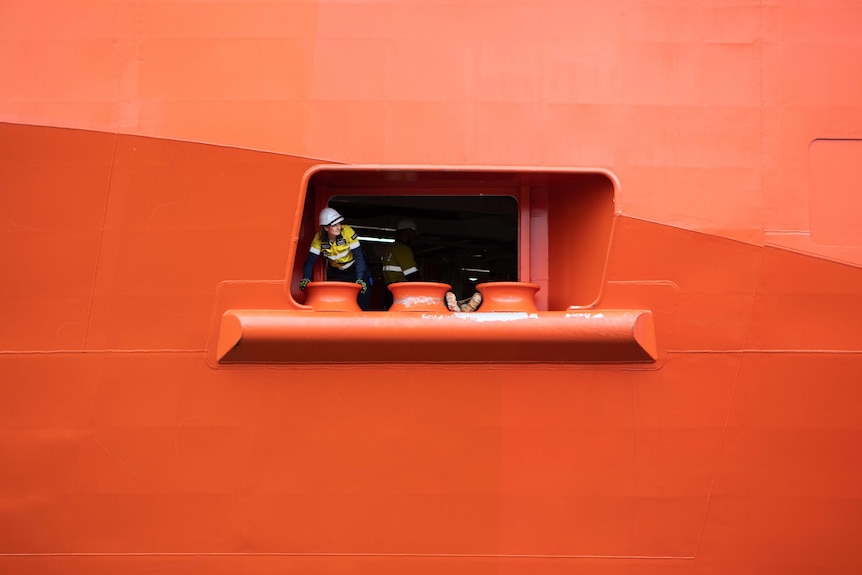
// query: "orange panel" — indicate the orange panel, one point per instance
point(54, 188)
point(806, 303)
point(716, 279)
point(181, 218)
point(835, 177)
point(606, 450)
point(787, 489)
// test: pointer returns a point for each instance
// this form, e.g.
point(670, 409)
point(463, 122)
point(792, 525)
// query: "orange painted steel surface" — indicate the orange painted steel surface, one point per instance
point(508, 296)
point(418, 296)
point(332, 296)
point(157, 171)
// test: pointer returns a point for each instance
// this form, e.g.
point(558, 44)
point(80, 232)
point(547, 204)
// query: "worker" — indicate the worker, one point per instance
point(340, 246)
point(399, 264)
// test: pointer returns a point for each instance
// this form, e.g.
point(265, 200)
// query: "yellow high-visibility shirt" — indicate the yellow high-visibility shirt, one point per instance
point(337, 253)
point(398, 262)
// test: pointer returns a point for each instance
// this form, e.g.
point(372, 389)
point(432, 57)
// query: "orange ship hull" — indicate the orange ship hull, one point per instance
point(685, 177)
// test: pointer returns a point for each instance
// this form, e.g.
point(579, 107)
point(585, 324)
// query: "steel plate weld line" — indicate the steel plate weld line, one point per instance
point(114, 455)
point(766, 351)
point(702, 233)
point(95, 351)
point(423, 555)
point(101, 241)
point(716, 468)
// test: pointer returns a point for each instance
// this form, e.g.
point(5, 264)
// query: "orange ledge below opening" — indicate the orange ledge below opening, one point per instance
point(302, 337)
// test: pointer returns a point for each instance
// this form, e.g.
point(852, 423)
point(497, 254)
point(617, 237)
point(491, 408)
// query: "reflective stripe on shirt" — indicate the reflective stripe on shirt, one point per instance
point(398, 260)
point(339, 251)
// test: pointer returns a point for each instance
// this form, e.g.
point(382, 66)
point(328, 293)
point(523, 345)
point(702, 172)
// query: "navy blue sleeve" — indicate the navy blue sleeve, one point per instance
point(361, 268)
point(308, 266)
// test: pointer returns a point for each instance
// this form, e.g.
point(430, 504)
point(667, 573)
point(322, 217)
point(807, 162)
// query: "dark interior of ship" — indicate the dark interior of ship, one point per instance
point(467, 224)
point(462, 240)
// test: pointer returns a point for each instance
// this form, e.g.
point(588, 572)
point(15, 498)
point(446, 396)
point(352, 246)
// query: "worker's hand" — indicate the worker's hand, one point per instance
point(302, 283)
point(363, 284)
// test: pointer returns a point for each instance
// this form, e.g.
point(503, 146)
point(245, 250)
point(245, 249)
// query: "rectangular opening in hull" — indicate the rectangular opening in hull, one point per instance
point(551, 227)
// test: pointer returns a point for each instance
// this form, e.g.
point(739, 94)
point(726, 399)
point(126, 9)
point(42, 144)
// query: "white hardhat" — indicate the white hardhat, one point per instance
point(407, 225)
point(329, 216)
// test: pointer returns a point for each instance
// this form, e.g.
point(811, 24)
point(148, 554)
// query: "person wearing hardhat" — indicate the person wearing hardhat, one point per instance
point(399, 265)
point(339, 244)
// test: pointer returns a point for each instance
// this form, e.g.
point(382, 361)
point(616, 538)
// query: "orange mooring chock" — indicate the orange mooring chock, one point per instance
point(419, 328)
